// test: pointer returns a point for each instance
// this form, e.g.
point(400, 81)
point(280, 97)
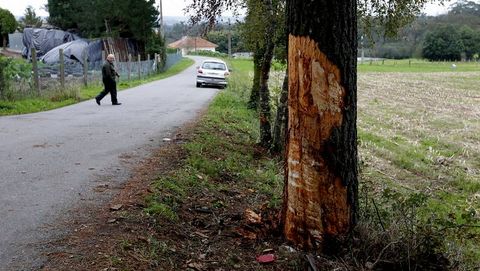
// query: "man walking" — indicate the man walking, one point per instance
point(108, 78)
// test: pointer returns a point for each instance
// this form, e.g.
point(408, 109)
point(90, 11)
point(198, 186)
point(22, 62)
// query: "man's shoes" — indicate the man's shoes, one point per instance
point(97, 100)
point(117, 104)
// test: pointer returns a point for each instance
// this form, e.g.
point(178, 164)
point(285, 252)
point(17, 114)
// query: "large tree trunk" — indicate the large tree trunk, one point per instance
point(321, 186)
point(265, 108)
point(281, 120)
point(255, 93)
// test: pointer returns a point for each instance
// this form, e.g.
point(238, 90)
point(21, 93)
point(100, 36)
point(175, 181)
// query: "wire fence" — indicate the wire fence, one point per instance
point(412, 62)
point(45, 79)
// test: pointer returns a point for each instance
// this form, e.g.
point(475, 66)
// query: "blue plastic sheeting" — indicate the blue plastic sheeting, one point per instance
point(74, 51)
point(44, 40)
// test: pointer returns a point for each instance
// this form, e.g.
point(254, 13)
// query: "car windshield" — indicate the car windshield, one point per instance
point(214, 66)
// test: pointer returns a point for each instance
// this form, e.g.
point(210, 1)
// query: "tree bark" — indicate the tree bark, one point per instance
point(321, 180)
point(265, 108)
point(255, 93)
point(281, 120)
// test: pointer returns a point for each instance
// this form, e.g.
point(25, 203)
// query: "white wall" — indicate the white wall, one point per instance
point(185, 51)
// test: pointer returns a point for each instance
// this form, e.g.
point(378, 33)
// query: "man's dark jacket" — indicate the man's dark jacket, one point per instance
point(108, 74)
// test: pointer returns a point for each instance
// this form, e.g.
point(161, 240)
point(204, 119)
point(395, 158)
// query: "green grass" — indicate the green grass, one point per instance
point(241, 65)
point(31, 105)
point(161, 209)
point(416, 65)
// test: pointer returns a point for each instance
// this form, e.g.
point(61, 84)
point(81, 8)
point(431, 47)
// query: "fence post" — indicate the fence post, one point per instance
point(104, 58)
point(119, 71)
point(139, 68)
point(159, 63)
point(85, 68)
point(129, 65)
point(155, 63)
point(36, 80)
point(62, 70)
point(148, 65)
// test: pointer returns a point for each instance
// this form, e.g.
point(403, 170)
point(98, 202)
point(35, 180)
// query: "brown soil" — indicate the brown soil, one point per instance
point(121, 236)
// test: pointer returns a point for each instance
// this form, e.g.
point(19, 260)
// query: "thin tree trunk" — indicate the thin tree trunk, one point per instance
point(265, 108)
point(281, 120)
point(4, 45)
point(255, 93)
point(321, 180)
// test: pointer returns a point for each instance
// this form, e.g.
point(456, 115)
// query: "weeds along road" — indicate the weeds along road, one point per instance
point(51, 162)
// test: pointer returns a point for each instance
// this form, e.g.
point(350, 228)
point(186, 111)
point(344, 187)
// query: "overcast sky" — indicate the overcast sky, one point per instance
point(170, 7)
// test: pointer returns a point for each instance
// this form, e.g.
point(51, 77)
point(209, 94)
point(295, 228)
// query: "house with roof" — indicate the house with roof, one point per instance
point(192, 44)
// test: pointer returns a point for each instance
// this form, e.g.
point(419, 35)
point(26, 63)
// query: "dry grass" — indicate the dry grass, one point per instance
point(420, 132)
point(410, 109)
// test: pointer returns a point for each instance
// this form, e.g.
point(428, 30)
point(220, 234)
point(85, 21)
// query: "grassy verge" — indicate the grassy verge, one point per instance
point(76, 94)
point(223, 174)
point(220, 157)
point(222, 151)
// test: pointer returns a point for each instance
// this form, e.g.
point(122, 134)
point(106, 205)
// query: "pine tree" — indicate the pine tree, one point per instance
point(30, 19)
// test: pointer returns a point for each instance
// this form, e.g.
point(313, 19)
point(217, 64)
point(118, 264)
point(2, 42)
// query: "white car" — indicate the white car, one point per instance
point(212, 72)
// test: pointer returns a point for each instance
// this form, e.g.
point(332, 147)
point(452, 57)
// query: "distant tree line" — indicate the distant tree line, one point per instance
point(453, 36)
point(450, 43)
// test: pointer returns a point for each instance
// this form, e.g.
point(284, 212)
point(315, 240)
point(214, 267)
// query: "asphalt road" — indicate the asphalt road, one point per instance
point(51, 161)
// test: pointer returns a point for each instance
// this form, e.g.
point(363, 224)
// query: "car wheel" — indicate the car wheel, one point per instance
point(199, 85)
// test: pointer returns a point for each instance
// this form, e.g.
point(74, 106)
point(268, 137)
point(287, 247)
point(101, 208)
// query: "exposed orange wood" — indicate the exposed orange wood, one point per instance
point(316, 197)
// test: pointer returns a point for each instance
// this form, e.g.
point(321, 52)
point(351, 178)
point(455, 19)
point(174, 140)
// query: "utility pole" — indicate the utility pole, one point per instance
point(160, 11)
point(363, 50)
point(229, 39)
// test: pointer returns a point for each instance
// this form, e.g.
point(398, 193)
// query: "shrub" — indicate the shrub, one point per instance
point(394, 51)
point(399, 231)
point(13, 72)
point(444, 43)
